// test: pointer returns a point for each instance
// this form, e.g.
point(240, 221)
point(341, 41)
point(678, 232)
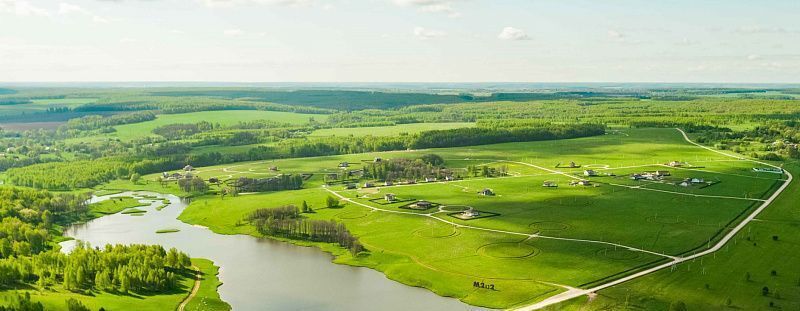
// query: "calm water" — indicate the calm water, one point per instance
point(261, 274)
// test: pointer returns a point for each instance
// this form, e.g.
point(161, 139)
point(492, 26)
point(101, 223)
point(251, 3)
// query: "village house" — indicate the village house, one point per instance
point(675, 164)
point(684, 184)
point(637, 176)
point(411, 182)
point(332, 176)
point(213, 180)
point(486, 192)
point(422, 204)
point(580, 183)
point(344, 165)
point(589, 173)
point(389, 197)
point(549, 184)
point(449, 178)
point(662, 173)
point(368, 185)
point(696, 180)
point(188, 168)
point(470, 213)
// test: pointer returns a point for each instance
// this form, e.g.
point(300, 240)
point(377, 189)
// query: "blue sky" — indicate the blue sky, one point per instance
point(400, 40)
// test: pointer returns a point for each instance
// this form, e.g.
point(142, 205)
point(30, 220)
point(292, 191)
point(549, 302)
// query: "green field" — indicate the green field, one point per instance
point(390, 130)
point(225, 117)
point(539, 240)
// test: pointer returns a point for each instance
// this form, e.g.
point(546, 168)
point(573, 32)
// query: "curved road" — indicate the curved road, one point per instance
point(577, 293)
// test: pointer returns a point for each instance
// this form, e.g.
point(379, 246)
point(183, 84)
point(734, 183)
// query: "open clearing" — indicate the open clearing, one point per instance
point(542, 241)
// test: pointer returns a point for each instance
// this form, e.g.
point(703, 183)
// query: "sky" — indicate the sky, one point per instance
point(725, 41)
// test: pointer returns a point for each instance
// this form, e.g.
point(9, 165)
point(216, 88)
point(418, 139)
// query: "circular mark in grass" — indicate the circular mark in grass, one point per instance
point(508, 250)
point(618, 254)
point(437, 232)
point(549, 226)
point(665, 220)
point(352, 215)
point(454, 208)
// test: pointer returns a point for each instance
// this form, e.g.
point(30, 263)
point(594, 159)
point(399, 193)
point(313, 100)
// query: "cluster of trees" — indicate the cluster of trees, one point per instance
point(194, 184)
point(430, 165)
point(287, 222)
point(482, 136)
point(92, 122)
point(277, 183)
point(487, 171)
point(86, 173)
point(182, 130)
point(118, 268)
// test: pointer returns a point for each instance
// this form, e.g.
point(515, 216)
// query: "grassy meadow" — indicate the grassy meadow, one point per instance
point(576, 224)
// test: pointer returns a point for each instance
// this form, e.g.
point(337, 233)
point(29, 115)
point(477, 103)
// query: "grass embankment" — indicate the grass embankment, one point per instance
point(207, 298)
point(733, 278)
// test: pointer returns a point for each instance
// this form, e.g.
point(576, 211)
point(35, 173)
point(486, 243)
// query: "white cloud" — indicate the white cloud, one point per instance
point(233, 32)
point(765, 30)
point(127, 40)
point(22, 8)
point(69, 9)
point(425, 34)
point(233, 3)
point(176, 32)
point(431, 6)
point(511, 33)
point(753, 57)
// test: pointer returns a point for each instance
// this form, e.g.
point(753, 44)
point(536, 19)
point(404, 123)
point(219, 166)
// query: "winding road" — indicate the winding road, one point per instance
point(564, 296)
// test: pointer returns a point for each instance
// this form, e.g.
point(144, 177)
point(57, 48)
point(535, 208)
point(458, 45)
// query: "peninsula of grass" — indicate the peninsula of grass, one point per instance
point(172, 230)
point(134, 211)
point(207, 298)
point(114, 205)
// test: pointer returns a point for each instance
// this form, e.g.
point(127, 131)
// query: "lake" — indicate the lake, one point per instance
point(258, 273)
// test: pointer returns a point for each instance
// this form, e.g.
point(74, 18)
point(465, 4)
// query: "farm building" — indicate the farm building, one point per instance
point(470, 213)
point(486, 192)
point(188, 168)
point(549, 184)
point(390, 197)
point(422, 204)
point(662, 173)
point(430, 179)
point(637, 176)
point(589, 173)
point(411, 182)
point(580, 183)
point(768, 170)
point(449, 178)
point(696, 180)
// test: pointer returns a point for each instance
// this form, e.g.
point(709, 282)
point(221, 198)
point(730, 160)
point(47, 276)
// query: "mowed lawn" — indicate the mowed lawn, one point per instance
point(411, 128)
point(424, 251)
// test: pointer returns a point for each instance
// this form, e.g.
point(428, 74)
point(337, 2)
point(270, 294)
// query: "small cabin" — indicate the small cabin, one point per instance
point(486, 192)
point(470, 213)
point(423, 204)
point(344, 164)
point(188, 168)
point(695, 180)
point(449, 178)
point(589, 173)
point(549, 184)
point(213, 180)
point(662, 173)
point(332, 176)
point(390, 197)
